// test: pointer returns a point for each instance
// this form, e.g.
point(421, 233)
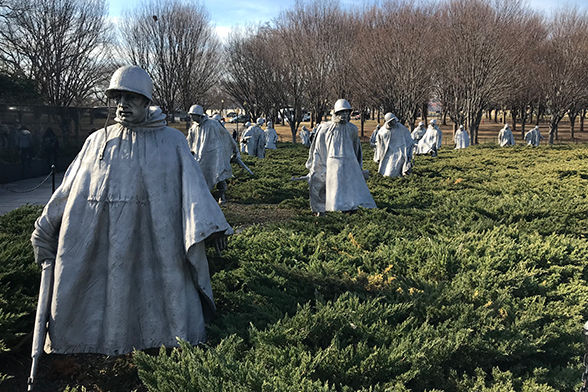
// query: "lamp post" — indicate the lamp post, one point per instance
point(222, 107)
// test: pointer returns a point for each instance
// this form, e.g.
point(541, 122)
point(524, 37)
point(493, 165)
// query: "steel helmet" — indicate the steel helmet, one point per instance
point(247, 124)
point(133, 79)
point(421, 124)
point(196, 109)
point(217, 117)
point(260, 121)
point(378, 126)
point(389, 116)
point(433, 122)
point(341, 104)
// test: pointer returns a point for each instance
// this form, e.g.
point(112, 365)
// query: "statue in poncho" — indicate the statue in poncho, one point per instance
point(461, 138)
point(122, 240)
point(336, 179)
point(373, 137)
point(254, 139)
point(271, 137)
point(213, 147)
point(394, 147)
point(305, 136)
point(431, 140)
point(418, 133)
point(505, 136)
point(533, 137)
point(242, 142)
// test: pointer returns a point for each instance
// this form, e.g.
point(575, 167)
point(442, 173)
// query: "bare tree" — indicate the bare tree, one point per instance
point(524, 92)
point(62, 45)
point(250, 76)
point(563, 63)
point(399, 69)
point(174, 41)
point(482, 35)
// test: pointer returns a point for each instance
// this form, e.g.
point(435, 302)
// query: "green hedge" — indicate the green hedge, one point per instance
point(470, 276)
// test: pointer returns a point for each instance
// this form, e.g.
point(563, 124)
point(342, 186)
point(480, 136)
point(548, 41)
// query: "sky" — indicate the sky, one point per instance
point(227, 14)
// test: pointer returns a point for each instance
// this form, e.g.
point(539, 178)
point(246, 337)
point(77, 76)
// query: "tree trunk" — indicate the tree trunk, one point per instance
point(495, 115)
point(582, 116)
point(572, 125)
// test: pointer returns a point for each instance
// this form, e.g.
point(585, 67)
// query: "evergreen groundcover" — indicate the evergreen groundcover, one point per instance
point(470, 276)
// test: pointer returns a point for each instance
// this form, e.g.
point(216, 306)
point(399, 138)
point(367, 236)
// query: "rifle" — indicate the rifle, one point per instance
point(239, 162)
point(41, 318)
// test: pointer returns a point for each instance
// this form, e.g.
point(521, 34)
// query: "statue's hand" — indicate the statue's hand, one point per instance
point(219, 241)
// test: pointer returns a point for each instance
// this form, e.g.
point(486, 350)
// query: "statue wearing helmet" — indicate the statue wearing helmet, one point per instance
point(430, 143)
point(373, 137)
point(271, 137)
point(394, 148)
point(254, 139)
point(505, 136)
point(124, 236)
point(305, 136)
point(213, 147)
point(418, 133)
point(461, 138)
point(335, 178)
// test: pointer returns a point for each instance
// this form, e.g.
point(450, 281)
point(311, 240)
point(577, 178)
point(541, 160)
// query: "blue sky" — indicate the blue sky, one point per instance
point(226, 14)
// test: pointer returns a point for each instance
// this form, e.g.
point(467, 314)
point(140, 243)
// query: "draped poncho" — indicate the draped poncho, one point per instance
point(461, 139)
point(505, 137)
point(213, 148)
point(335, 176)
point(254, 138)
point(431, 140)
point(126, 230)
point(271, 138)
point(394, 148)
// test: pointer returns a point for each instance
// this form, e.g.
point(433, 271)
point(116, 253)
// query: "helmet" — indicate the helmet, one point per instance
point(196, 109)
point(461, 127)
point(378, 126)
point(389, 116)
point(433, 122)
point(133, 79)
point(247, 124)
point(217, 117)
point(341, 104)
point(270, 124)
point(260, 121)
point(421, 124)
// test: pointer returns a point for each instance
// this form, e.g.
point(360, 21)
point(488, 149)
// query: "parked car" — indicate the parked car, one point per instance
point(242, 118)
point(231, 114)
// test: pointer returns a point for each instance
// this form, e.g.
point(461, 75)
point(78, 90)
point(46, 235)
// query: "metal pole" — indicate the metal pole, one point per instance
point(52, 179)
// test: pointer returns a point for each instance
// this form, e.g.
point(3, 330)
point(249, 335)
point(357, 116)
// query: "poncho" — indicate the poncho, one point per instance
point(271, 138)
point(461, 139)
point(431, 140)
point(254, 137)
point(305, 137)
point(394, 147)
point(126, 232)
point(213, 148)
point(335, 177)
point(505, 137)
point(533, 137)
point(418, 133)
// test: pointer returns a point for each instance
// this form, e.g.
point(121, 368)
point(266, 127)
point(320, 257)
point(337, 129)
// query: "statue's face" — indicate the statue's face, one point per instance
point(345, 115)
point(130, 107)
point(197, 117)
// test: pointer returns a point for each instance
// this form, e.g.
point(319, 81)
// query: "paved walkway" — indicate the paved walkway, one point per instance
point(11, 200)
